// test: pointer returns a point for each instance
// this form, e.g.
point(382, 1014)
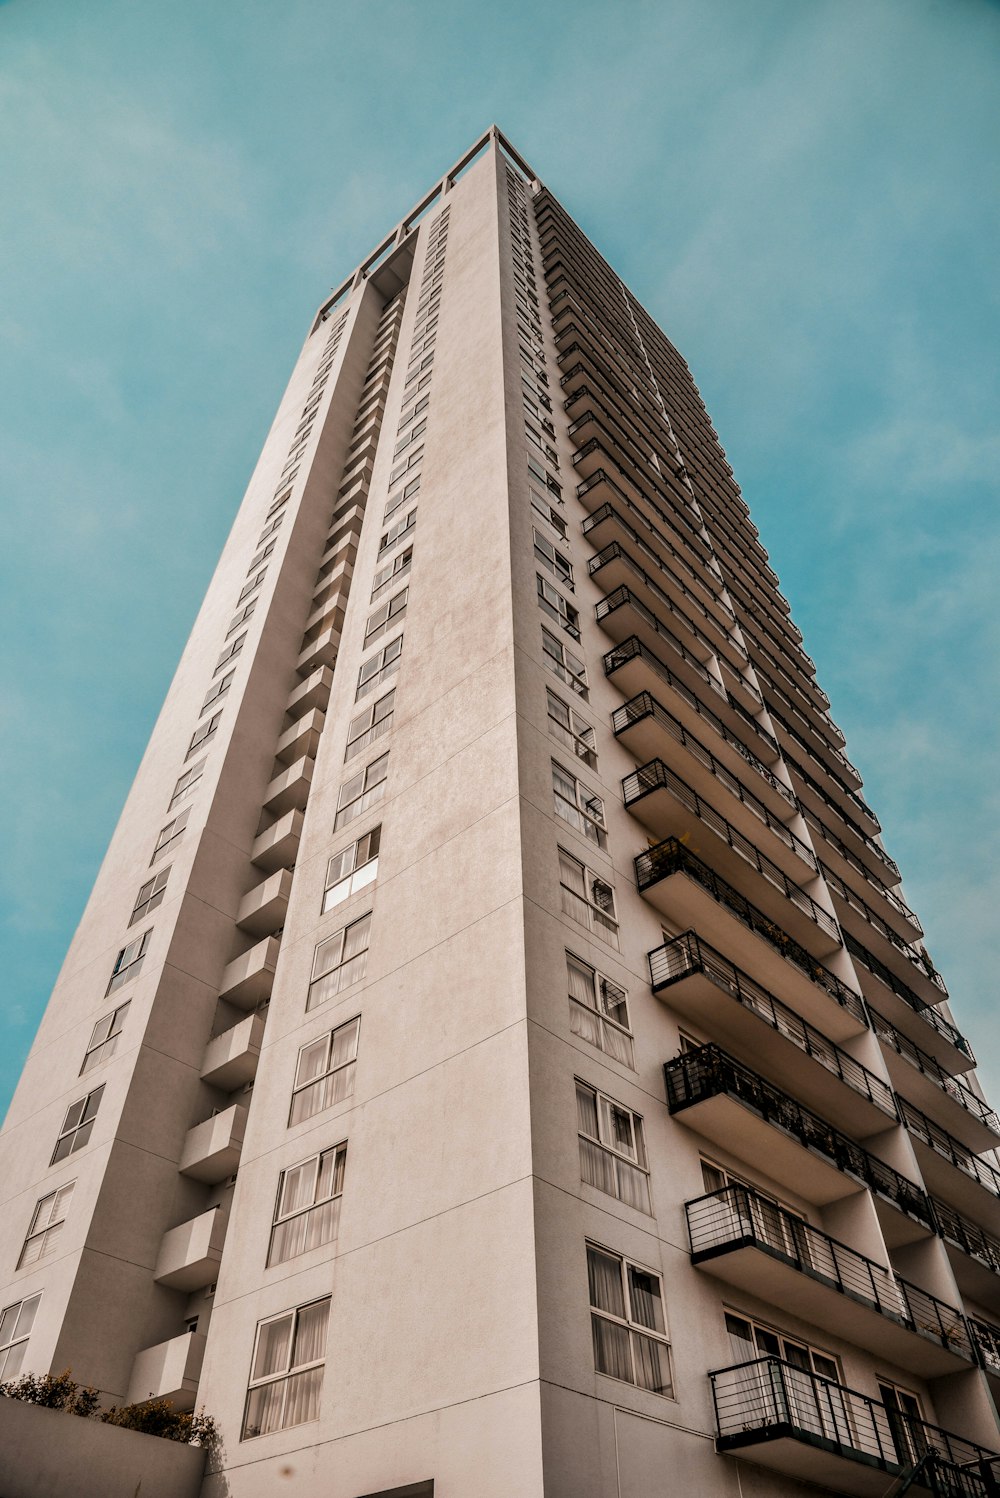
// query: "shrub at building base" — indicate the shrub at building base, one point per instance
point(150, 1417)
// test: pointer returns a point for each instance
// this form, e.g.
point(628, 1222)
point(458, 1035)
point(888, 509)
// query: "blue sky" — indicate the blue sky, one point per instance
point(803, 193)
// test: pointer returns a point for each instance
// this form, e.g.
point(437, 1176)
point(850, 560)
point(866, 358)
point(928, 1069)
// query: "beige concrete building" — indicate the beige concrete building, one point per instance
point(496, 1059)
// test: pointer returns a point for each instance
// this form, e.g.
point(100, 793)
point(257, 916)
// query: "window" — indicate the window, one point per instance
point(612, 1149)
point(202, 732)
point(104, 1039)
point(351, 869)
point(229, 653)
point(544, 510)
point(570, 729)
point(396, 530)
point(377, 667)
point(46, 1225)
point(307, 1211)
point(170, 833)
point(906, 1422)
point(752, 1211)
point(186, 783)
point(324, 1074)
point(15, 1327)
point(567, 666)
point(129, 961)
point(241, 617)
point(252, 585)
point(370, 725)
point(558, 564)
point(554, 604)
point(628, 1323)
point(598, 1010)
point(78, 1125)
point(400, 469)
point(578, 806)
point(220, 689)
point(361, 792)
point(149, 896)
point(401, 496)
point(287, 1372)
point(398, 567)
point(385, 616)
point(829, 1417)
point(339, 961)
point(587, 898)
point(553, 485)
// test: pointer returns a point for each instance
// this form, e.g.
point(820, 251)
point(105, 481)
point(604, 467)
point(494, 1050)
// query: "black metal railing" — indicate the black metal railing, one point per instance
point(633, 649)
point(658, 776)
point(950, 1148)
point(687, 954)
point(621, 598)
point(966, 1235)
point(671, 857)
point(908, 949)
point(986, 1340)
point(695, 1076)
point(615, 552)
point(607, 512)
point(927, 1012)
point(939, 1075)
point(737, 1217)
point(645, 705)
point(755, 1401)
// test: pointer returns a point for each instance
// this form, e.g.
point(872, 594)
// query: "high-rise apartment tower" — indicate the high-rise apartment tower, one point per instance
point(496, 1058)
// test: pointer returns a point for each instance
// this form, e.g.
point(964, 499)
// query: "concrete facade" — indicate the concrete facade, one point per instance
point(533, 1080)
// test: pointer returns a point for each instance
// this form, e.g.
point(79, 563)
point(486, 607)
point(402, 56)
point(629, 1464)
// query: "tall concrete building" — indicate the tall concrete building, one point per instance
point(496, 1059)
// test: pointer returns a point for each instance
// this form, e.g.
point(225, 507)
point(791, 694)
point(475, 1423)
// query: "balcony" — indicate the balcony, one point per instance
point(313, 692)
point(608, 501)
point(986, 1340)
point(170, 1370)
point(262, 909)
point(647, 728)
point(614, 567)
point(748, 1241)
point(231, 1058)
point(669, 807)
point(191, 1253)
point(925, 1081)
point(962, 1177)
point(637, 669)
point(806, 1427)
point(895, 949)
point(623, 615)
point(322, 651)
point(974, 1255)
point(301, 739)
point(734, 1106)
point(212, 1149)
point(888, 903)
point(289, 790)
point(692, 894)
point(248, 979)
point(708, 989)
point(943, 1041)
point(278, 844)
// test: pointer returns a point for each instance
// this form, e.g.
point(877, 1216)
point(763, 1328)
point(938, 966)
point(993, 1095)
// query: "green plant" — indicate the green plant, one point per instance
point(53, 1391)
point(157, 1417)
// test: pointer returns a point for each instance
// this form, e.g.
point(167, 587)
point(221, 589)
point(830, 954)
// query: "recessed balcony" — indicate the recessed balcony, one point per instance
point(748, 1241)
point(170, 1370)
point(986, 1340)
point(690, 893)
point(320, 652)
point(278, 844)
point(974, 1255)
point(231, 1058)
point(671, 808)
point(212, 1149)
point(927, 1084)
point(313, 692)
point(262, 909)
point(705, 987)
point(635, 669)
point(191, 1253)
point(736, 1108)
point(248, 979)
point(791, 1421)
point(290, 790)
point(882, 987)
point(301, 739)
point(966, 1180)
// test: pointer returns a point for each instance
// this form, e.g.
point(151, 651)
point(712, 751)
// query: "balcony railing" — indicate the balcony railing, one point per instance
point(687, 954)
point(986, 1340)
point(622, 597)
point(614, 552)
point(912, 1000)
point(608, 512)
point(737, 1216)
point(695, 1076)
point(966, 1235)
point(950, 1148)
point(646, 706)
point(671, 857)
point(828, 800)
point(922, 1062)
point(909, 950)
point(763, 1400)
point(893, 896)
point(657, 776)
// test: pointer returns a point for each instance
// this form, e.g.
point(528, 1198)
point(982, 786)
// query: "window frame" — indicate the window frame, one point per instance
point(357, 805)
point(331, 1069)
point(283, 1219)
point(588, 808)
point(50, 1233)
point(288, 1372)
point(575, 733)
point(606, 1110)
point(76, 1131)
point(321, 988)
point(97, 1046)
point(123, 972)
point(605, 927)
point(350, 876)
point(621, 1047)
point(11, 1318)
point(630, 1323)
point(153, 890)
